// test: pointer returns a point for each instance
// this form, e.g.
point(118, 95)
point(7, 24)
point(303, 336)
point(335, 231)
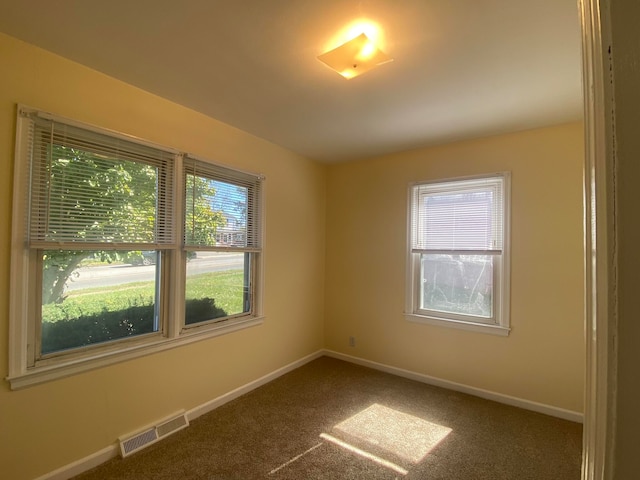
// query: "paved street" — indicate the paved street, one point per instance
point(105, 276)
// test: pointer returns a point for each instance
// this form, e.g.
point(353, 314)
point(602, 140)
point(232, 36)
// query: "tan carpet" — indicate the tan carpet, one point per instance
point(333, 420)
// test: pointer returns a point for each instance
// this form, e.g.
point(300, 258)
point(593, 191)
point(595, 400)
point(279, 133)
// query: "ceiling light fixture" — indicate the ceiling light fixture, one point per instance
point(355, 57)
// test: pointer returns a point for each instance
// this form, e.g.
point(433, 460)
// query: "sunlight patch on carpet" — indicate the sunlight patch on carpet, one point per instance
point(364, 454)
point(407, 436)
point(294, 459)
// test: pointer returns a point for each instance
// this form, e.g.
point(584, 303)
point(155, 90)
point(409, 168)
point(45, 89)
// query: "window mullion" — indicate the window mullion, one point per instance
point(174, 313)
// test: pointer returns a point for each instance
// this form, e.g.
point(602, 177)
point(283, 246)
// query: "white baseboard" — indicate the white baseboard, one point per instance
point(82, 465)
point(112, 451)
point(459, 387)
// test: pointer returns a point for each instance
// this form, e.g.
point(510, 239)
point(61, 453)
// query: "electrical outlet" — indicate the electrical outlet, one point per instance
point(352, 341)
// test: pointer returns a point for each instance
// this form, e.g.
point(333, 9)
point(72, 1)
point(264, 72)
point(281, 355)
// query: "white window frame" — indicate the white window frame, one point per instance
point(499, 324)
point(23, 371)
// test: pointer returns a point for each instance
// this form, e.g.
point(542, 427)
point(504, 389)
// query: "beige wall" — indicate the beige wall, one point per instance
point(542, 360)
point(47, 426)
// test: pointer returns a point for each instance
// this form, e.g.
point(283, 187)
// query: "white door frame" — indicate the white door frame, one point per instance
point(599, 415)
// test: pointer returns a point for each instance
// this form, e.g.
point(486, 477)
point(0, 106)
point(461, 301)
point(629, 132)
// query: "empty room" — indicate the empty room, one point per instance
point(291, 239)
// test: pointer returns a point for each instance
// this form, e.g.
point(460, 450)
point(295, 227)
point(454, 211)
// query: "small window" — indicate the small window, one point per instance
point(121, 246)
point(458, 256)
point(221, 226)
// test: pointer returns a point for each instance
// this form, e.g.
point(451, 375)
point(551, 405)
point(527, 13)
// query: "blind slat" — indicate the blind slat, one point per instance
point(92, 188)
point(465, 215)
point(221, 207)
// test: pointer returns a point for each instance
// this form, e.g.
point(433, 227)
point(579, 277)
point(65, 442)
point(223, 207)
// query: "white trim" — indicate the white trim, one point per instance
point(26, 110)
point(18, 330)
point(459, 387)
point(459, 324)
point(258, 176)
point(84, 464)
point(479, 176)
point(122, 353)
point(600, 379)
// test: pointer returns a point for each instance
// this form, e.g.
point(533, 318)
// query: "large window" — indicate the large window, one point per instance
point(120, 246)
point(458, 258)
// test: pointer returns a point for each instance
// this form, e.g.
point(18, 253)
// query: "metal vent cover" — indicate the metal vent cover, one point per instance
point(171, 426)
point(137, 442)
point(132, 443)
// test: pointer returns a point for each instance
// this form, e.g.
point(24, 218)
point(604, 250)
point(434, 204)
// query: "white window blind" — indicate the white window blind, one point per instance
point(233, 221)
point(90, 188)
point(464, 215)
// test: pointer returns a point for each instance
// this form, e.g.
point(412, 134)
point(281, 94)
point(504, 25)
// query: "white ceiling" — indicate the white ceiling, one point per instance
point(461, 69)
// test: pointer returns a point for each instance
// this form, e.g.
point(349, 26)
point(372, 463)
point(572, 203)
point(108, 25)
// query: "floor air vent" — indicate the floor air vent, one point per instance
point(137, 441)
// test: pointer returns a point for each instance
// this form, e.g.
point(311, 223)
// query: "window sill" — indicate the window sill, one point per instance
point(67, 367)
point(458, 324)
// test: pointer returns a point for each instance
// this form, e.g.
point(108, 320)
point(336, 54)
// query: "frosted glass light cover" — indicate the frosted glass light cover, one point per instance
point(357, 56)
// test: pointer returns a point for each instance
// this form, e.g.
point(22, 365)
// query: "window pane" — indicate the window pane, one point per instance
point(215, 212)
point(92, 297)
point(217, 285)
point(461, 284)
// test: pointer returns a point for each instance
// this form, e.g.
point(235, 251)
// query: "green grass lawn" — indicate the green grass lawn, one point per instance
point(224, 287)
